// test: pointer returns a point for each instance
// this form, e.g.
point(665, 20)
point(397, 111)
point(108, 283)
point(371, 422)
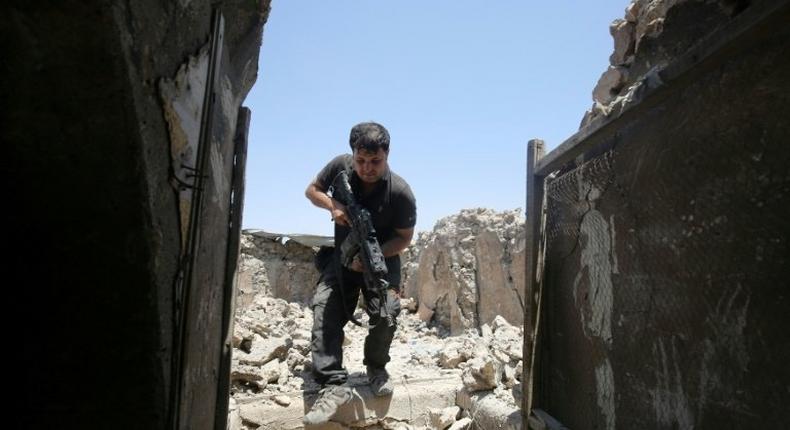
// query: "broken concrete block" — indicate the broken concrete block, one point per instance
point(631, 12)
point(507, 342)
point(490, 411)
point(264, 350)
point(424, 312)
point(483, 373)
point(241, 335)
point(610, 83)
point(623, 33)
point(453, 353)
point(441, 419)
point(462, 424)
point(247, 374)
point(270, 372)
point(282, 400)
point(285, 373)
point(508, 375)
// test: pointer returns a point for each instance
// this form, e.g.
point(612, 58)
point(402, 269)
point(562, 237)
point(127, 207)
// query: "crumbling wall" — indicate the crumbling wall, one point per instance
point(474, 259)
point(275, 267)
point(469, 269)
point(650, 35)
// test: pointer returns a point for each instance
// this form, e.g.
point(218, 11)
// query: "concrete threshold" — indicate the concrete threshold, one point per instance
point(408, 404)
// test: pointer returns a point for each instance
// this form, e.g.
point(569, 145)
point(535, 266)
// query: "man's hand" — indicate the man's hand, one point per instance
point(339, 214)
point(356, 265)
point(318, 196)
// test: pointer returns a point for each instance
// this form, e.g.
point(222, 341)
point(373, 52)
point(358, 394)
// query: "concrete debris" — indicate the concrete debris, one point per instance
point(248, 375)
point(631, 12)
point(496, 409)
point(477, 250)
point(610, 84)
point(507, 339)
point(455, 352)
point(282, 400)
point(482, 373)
point(624, 41)
point(271, 371)
point(649, 15)
point(435, 352)
point(265, 349)
point(441, 419)
point(651, 33)
point(462, 424)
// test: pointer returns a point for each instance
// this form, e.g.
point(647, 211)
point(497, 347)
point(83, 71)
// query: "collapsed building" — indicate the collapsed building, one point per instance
point(451, 369)
point(659, 254)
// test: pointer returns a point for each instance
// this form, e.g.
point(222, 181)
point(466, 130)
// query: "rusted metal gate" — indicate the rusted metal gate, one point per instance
point(658, 281)
point(204, 293)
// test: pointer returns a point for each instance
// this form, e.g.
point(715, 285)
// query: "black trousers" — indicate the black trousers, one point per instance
point(329, 319)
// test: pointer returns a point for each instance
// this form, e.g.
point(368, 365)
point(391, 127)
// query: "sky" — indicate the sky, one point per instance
point(461, 86)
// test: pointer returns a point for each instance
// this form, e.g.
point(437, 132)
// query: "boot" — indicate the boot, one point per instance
point(379, 380)
point(329, 399)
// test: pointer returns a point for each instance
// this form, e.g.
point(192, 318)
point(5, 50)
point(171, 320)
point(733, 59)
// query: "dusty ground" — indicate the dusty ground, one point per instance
point(272, 359)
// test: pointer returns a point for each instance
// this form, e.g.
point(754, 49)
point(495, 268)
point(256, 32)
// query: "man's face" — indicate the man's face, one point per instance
point(370, 166)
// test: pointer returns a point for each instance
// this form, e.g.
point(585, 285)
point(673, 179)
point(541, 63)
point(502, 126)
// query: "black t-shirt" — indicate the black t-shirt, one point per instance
point(391, 205)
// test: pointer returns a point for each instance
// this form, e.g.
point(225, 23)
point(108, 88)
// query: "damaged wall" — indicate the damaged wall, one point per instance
point(97, 235)
point(461, 275)
point(649, 36)
point(469, 269)
point(667, 240)
point(277, 266)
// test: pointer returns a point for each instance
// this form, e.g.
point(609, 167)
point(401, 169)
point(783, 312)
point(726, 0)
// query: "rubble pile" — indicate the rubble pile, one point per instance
point(477, 369)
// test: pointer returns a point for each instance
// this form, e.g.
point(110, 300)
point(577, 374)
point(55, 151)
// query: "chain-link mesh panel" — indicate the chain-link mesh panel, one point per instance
point(667, 263)
point(567, 194)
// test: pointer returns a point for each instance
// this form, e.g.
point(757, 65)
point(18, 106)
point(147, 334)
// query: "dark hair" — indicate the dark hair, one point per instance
point(369, 136)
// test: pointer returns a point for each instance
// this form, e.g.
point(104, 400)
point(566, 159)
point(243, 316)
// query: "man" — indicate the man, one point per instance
point(392, 207)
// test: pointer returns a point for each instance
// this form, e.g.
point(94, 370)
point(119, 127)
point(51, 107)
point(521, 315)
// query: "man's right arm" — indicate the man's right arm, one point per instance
point(318, 196)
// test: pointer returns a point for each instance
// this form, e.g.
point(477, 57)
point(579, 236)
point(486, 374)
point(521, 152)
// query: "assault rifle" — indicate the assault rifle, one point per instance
point(362, 240)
